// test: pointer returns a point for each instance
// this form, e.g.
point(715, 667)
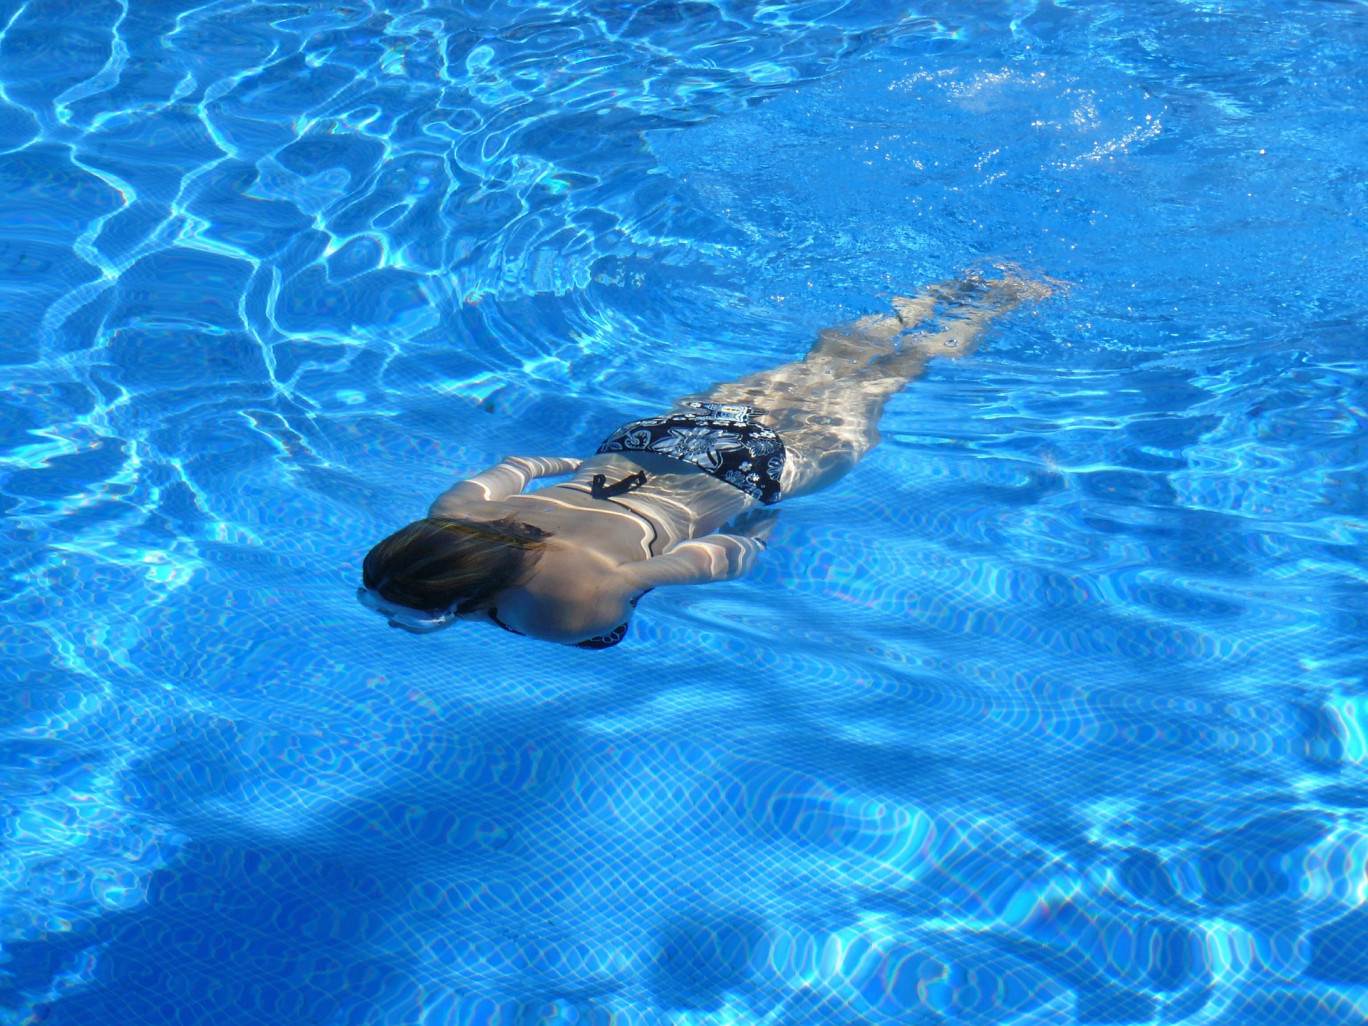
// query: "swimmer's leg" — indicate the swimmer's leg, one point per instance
point(966, 307)
point(827, 406)
point(957, 301)
point(833, 425)
point(857, 343)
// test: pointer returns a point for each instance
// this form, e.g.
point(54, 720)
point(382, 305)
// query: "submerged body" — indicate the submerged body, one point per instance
point(650, 507)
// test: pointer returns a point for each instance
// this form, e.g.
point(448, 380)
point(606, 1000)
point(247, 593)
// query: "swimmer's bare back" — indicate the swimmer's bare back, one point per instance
point(631, 520)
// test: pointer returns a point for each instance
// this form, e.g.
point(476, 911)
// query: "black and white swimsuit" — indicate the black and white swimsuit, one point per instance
point(718, 438)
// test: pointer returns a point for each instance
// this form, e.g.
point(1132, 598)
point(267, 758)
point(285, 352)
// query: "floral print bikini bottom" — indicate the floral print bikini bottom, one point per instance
point(718, 438)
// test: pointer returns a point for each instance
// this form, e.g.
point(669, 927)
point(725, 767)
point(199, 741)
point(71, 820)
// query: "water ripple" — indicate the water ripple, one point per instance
point(1052, 712)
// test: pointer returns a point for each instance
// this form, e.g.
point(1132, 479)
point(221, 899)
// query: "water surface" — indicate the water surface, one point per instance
point(1053, 712)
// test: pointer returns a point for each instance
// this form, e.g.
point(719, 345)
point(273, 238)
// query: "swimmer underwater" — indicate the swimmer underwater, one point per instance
point(568, 563)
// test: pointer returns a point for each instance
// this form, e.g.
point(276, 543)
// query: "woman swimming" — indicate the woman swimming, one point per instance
point(568, 563)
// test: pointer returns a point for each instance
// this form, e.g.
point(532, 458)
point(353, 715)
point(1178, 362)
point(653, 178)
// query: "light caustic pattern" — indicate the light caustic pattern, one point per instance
point(1052, 712)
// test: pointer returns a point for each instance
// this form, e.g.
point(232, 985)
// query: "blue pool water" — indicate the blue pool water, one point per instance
point(1053, 712)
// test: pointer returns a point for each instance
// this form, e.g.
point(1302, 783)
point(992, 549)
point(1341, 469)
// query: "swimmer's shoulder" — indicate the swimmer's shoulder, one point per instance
point(573, 593)
point(467, 503)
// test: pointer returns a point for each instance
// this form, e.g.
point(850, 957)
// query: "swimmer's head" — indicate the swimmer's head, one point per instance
point(438, 569)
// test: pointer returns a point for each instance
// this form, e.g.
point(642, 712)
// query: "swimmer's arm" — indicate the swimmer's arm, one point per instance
point(714, 557)
point(508, 477)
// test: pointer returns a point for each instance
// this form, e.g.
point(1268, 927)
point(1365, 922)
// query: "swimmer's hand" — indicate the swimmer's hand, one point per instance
point(756, 523)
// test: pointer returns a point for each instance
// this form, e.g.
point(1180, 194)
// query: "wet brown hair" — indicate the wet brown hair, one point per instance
point(442, 562)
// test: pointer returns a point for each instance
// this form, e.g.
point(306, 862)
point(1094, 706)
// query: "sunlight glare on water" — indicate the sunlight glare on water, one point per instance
point(1053, 711)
